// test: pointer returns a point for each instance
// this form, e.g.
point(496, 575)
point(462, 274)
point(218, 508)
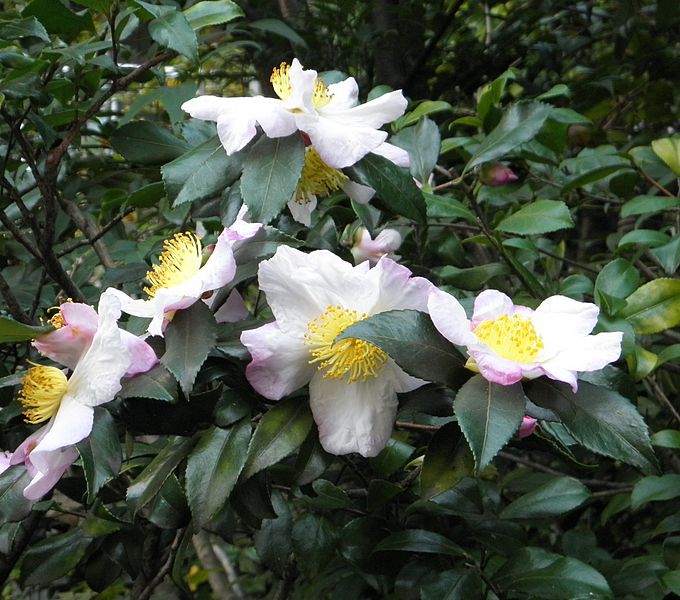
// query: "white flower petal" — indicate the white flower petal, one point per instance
point(56, 462)
point(209, 108)
point(356, 417)
point(302, 211)
point(275, 119)
point(397, 289)
point(301, 88)
point(375, 113)
point(344, 95)
point(588, 353)
point(560, 320)
point(449, 317)
point(397, 155)
point(358, 192)
point(280, 361)
point(233, 310)
point(235, 131)
point(490, 305)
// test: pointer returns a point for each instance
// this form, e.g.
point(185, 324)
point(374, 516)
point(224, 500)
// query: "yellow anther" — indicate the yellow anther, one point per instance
point(512, 337)
point(181, 259)
point(41, 393)
point(317, 178)
point(280, 79)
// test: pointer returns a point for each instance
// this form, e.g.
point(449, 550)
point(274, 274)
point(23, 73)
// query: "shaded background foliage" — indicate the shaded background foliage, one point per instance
point(211, 489)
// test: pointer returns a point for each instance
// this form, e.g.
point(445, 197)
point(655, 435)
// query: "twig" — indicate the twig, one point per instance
point(12, 303)
point(102, 232)
point(651, 381)
point(657, 185)
point(165, 568)
point(417, 426)
point(19, 236)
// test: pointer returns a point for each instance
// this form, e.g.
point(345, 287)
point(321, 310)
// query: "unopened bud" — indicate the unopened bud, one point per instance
point(527, 427)
point(496, 174)
point(366, 248)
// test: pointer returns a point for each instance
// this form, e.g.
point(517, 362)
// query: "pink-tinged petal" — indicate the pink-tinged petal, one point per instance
point(142, 355)
point(527, 427)
point(5, 458)
point(72, 423)
point(300, 287)
point(233, 310)
point(63, 345)
point(588, 353)
point(490, 305)
point(397, 155)
point(353, 417)
point(280, 362)
point(376, 113)
point(79, 316)
point(241, 229)
point(302, 211)
point(26, 447)
point(56, 462)
point(358, 192)
point(344, 95)
point(495, 368)
point(558, 373)
point(449, 317)
point(397, 289)
point(339, 145)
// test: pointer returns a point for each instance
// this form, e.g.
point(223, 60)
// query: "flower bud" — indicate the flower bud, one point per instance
point(366, 248)
point(527, 427)
point(496, 174)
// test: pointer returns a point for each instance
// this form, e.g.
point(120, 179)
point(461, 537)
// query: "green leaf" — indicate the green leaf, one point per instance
point(553, 498)
point(147, 143)
point(409, 337)
point(471, 278)
point(328, 496)
point(538, 217)
point(422, 143)
point(279, 433)
point(457, 584)
point(53, 557)
point(644, 237)
point(419, 540)
point(427, 107)
point(668, 150)
point(489, 415)
point(654, 489)
point(667, 438)
point(314, 542)
point(148, 195)
point(150, 481)
point(518, 125)
point(13, 331)
point(173, 30)
point(158, 383)
point(213, 468)
point(491, 94)
point(393, 185)
point(201, 173)
point(599, 419)
point(169, 509)
point(654, 307)
point(668, 255)
point(189, 338)
point(447, 461)
point(212, 12)
point(545, 575)
point(591, 176)
point(614, 282)
point(19, 29)
point(273, 541)
point(271, 172)
point(447, 207)
point(672, 580)
point(281, 29)
point(56, 18)
point(100, 453)
point(13, 505)
point(645, 205)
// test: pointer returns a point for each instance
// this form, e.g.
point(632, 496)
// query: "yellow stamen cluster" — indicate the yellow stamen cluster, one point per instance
point(317, 178)
point(511, 337)
point(280, 79)
point(57, 319)
point(355, 357)
point(181, 259)
point(41, 393)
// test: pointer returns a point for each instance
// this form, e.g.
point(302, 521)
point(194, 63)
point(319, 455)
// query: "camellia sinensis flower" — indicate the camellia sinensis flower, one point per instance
point(527, 427)
point(75, 326)
point(496, 174)
point(340, 129)
point(67, 404)
point(353, 385)
point(507, 342)
point(179, 278)
point(386, 243)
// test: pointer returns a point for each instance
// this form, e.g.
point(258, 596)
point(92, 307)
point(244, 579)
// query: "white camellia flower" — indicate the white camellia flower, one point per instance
point(507, 342)
point(68, 403)
point(353, 385)
point(340, 129)
point(179, 280)
point(386, 243)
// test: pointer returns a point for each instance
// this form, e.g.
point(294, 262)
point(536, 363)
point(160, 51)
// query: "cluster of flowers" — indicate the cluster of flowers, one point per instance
point(314, 297)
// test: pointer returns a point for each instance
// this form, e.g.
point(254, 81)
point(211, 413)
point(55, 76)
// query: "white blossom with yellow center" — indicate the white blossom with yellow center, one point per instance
point(353, 385)
point(341, 130)
point(507, 342)
point(178, 279)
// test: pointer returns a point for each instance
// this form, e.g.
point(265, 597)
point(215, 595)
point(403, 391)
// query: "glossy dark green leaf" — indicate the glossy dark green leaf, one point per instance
point(519, 124)
point(273, 541)
point(654, 307)
point(158, 383)
point(409, 337)
point(314, 542)
point(201, 173)
point(13, 331)
point(427, 107)
point(592, 175)
point(150, 481)
point(422, 143)
point(419, 540)
point(654, 489)
point(188, 339)
point(553, 498)
point(147, 143)
point(213, 468)
point(271, 172)
point(212, 12)
point(617, 280)
point(53, 557)
point(58, 19)
point(541, 216)
point(18, 29)
point(279, 433)
point(457, 584)
point(599, 419)
point(472, 278)
point(447, 461)
point(13, 505)
point(643, 205)
point(489, 415)
point(392, 457)
point(328, 496)
point(668, 255)
point(100, 453)
point(545, 575)
point(447, 207)
point(148, 195)
point(172, 30)
point(169, 508)
point(392, 185)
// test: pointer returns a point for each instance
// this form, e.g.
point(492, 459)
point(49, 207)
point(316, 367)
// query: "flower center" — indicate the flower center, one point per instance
point(41, 393)
point(57, 319)
point(317, 178)
point(355, 357)
point(181, 259)
point(512, 337)
point(280, 79)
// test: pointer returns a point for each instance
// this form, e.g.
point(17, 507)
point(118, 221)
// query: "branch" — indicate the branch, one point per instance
point(85, 224)
point(19, 236)
point(12, 303)
point(102, 232)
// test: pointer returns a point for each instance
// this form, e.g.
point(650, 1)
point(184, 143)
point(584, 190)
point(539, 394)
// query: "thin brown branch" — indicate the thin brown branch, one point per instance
point(19, 235)
point(650, 382)
point(12, 303)
point(656, 184)
point(165, 567)
point(102, 232)
point(84, 223)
